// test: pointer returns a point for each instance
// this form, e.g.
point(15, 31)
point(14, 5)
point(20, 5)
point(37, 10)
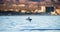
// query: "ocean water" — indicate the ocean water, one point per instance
point(37, 24)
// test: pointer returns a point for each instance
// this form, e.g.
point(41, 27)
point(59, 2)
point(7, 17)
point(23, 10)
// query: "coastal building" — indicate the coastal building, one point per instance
point(31, 6)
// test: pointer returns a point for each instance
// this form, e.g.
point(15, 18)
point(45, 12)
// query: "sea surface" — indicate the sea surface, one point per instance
point(38, 23)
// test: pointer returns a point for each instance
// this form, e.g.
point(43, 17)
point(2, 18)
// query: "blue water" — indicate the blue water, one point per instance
point(20, 24)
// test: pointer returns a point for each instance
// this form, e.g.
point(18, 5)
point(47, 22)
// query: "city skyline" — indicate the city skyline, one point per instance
point(30, 5)
point(24, 1)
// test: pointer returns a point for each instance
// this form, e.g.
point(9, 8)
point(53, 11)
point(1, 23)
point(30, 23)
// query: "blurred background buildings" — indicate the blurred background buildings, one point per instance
point(35, 6)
